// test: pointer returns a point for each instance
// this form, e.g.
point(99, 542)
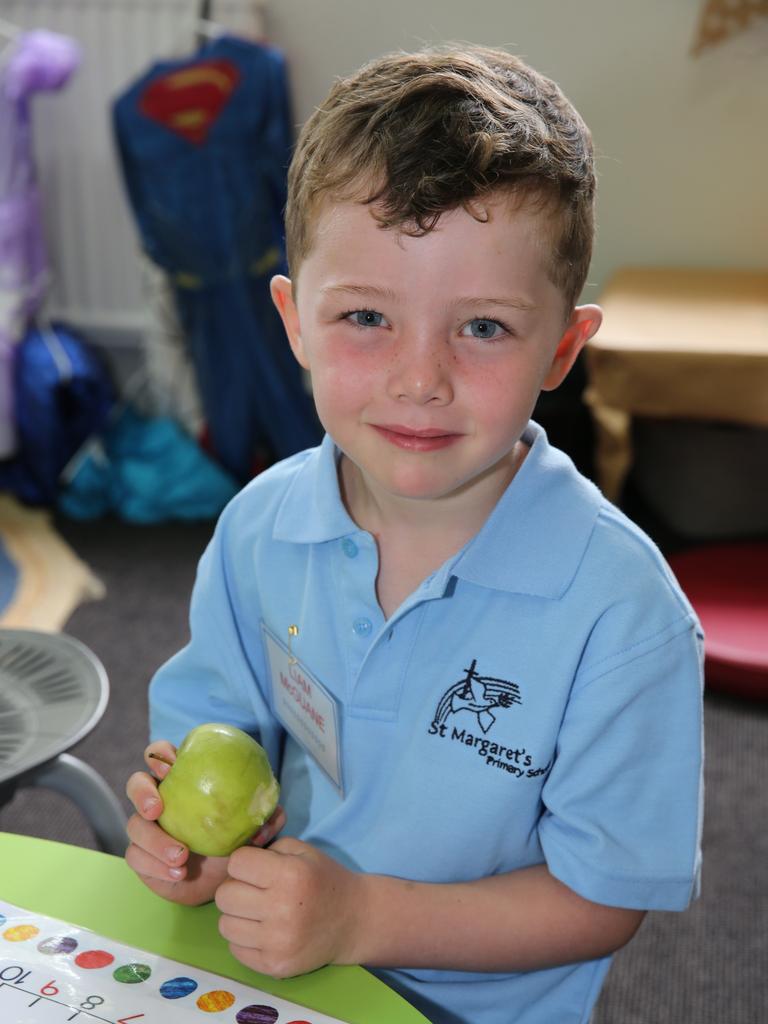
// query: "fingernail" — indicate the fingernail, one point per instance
point(151, 804)
point(174, 852)
point(175, 872)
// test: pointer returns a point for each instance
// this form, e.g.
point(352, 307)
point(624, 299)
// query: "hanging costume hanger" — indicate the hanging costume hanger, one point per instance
point(206, 30)
point(207, 27)
point(204, 21)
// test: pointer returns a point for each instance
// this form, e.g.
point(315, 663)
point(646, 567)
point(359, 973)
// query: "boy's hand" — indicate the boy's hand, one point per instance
point(289, 909)
point(164, 864)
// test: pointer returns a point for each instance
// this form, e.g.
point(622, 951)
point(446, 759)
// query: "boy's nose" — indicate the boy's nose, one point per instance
point(421, 374)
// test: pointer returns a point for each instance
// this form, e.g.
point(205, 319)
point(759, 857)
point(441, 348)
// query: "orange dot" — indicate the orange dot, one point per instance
point(20, 932)
point(215, 1001)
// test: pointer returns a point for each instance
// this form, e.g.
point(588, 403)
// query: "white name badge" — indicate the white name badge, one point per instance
point(304, 706)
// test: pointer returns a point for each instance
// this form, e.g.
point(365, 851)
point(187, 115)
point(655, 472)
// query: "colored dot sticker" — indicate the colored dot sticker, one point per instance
point(215, 1001)
point(58, 944)
point(257, 1015)
point(177, 988)
point(132, 974)
point(91, 959)
point(21, 932)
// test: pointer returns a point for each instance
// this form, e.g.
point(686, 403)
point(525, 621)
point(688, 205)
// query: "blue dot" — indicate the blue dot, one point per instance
point(362, 626)
point(177, 988)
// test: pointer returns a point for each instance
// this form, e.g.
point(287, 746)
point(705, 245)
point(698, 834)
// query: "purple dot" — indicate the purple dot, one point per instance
point(257, 1015)
point(58, 944)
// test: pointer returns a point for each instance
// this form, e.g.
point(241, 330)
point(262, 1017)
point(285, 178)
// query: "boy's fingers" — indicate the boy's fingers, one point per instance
point(156, 844)
point(159, 757)
point(145, 864)
point(277, 821)
point(141, 787)
point(269, 829)
point(258, 868)
point(141, 790)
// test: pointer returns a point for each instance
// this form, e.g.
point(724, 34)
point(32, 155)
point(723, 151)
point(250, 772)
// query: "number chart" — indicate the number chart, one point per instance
point(52, 972)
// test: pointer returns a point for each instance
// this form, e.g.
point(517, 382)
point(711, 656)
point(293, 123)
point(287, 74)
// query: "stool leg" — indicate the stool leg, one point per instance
point(83, 785)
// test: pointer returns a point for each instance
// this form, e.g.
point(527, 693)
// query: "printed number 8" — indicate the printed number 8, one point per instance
point(91, 1002)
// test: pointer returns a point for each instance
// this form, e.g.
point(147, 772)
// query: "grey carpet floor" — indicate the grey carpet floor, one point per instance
point(706, 966)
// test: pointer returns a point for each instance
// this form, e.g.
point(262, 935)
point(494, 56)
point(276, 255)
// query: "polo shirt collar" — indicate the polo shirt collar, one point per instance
point(535, 538)
point(532, 543)
point(312, 510)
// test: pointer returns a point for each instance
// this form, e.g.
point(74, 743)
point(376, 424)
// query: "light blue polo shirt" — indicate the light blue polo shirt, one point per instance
point(536, 699)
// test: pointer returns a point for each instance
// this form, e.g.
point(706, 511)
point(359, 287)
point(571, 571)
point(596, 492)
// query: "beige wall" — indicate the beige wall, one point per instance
point(682, 141)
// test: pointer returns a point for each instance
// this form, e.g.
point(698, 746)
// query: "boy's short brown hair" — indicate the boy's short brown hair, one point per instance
point(421, 134)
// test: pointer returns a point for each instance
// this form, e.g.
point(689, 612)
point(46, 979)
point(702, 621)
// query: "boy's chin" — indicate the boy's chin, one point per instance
point(424, 487)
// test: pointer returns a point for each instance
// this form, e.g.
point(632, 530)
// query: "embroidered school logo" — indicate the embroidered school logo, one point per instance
point(475, 698)
point(479, 695)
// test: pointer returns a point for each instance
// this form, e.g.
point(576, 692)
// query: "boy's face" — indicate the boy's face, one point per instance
point(427, 354)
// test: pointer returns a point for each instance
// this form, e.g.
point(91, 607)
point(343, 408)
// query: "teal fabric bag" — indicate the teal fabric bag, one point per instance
point(145, 471)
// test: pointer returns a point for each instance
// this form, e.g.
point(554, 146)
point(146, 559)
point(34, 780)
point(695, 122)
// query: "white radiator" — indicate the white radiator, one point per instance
point(92, 241)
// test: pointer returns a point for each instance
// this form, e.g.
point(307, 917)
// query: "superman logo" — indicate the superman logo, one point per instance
point(188, 101)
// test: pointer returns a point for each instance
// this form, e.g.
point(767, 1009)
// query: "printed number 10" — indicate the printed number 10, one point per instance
point(14, 973)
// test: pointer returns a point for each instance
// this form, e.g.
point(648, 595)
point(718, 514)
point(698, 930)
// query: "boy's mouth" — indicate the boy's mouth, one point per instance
point(428, 440)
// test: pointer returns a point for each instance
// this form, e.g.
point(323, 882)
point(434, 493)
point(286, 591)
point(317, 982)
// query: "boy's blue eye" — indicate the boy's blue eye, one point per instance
point(365, 318)
point(481, 327)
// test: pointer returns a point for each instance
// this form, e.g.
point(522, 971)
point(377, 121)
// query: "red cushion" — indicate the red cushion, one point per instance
point(727, 584)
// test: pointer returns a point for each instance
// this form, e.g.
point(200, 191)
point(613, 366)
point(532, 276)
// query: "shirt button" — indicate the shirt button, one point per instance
point(362, 626)
point(349, 547)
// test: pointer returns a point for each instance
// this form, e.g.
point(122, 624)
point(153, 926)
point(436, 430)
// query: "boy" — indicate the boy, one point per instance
point(478, 682)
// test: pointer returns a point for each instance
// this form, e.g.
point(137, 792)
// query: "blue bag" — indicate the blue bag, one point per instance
point(63, 395)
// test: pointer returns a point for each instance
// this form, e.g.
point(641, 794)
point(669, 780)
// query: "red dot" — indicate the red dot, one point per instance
point(93, 958)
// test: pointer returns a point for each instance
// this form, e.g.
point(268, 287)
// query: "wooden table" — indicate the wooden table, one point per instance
point(676, 344)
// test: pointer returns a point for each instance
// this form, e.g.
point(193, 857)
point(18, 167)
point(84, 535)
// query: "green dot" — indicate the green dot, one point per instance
point(132, 974)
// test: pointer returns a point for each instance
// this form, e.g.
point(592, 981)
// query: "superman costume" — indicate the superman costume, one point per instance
point(204, 144)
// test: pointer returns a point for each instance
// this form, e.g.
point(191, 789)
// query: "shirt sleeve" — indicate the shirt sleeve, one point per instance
point(212, 679)
point(623, 801)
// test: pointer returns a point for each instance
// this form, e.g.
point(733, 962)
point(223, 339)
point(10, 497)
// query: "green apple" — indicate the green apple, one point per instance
point(219, 792)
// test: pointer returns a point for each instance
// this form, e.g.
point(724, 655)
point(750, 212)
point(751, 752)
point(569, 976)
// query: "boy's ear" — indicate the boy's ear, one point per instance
point(583, 325)
point(281, 290)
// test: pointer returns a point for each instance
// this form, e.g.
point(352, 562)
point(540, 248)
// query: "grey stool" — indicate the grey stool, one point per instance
point(53, 691)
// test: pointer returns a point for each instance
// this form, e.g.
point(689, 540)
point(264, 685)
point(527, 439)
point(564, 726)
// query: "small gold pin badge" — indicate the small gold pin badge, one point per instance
point(292, 632)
